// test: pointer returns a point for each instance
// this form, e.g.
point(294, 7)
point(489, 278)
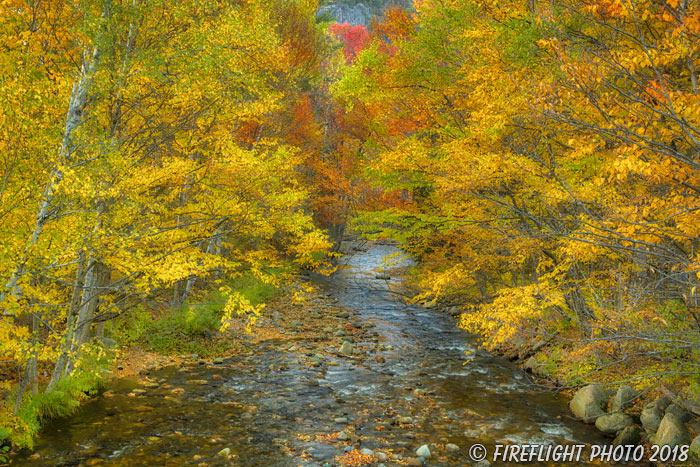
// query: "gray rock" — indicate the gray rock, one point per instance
point(679, 412)
point(613, 422)
point(538, 345)
point(340, 420)
point(695, 447)
point(624, 398)
point(651, 418)
point(671, 432)
point(384, 277)
point(346, 348)
point(452, 447)
point(342, 436)
point(589, 403)
point(413, 461)
point(108, 343)
point(423, 451)
point(660, 403)
point(316, 362)
point(225, 452)
point(381, 456)
point(630, 436)
point(366, 452)
point(530, 364)
point(405, 420)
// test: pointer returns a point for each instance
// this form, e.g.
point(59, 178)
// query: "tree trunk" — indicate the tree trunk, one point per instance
point(60, 366)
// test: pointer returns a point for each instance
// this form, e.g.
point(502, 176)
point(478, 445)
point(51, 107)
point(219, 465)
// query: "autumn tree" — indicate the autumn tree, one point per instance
point(548, 152)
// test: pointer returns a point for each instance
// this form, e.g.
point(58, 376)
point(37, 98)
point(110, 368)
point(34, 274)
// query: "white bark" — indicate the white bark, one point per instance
point(74, 117)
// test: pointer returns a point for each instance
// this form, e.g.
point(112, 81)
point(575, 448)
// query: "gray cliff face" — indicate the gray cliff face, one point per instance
point(358, 12)
point(352, 14)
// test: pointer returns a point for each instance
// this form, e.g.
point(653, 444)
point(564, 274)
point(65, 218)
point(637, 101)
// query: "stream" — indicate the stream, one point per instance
point(407, 385)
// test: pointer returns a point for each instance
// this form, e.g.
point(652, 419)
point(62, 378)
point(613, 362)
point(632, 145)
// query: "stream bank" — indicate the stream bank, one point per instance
point(359, 378)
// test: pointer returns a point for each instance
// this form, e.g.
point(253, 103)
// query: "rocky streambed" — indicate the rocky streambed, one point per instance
point(362, 379)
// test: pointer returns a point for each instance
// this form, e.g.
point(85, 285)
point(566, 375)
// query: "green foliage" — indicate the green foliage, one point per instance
point(253, 289)
point(189, 329)
point(63, 400)
point(128, 328)
point(520, 36)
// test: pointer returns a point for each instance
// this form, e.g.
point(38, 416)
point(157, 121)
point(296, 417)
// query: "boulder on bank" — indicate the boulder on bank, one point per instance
point(611, 423)
point(624, 398)
point(589, 403)
point(651, 418)
point(679, 412)
point(536, 368)
point(695, 447)
point(671, 432)
point(630, 436)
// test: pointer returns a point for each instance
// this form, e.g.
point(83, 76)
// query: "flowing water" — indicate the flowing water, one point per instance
point(271, 408)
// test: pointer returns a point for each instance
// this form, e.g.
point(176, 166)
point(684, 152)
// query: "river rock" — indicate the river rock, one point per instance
point(413, 461)
point(381, 456)
point(651, 418)
point(630, 436)
point(423, 451)
point(589, 403)
point(671, 432)
point(530, 364)
point(535, 367)
point(452, 447)
point(342, 436)
point(405, 420)
point(366, 452)
point(340, 420)
point(225, 452)
point(624, 398)
point(679, 412)
point(613, 422)
point(346, 348)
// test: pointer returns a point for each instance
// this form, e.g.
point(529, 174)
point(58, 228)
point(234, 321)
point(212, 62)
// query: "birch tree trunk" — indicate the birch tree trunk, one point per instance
point(74, 117)
point(70, 323)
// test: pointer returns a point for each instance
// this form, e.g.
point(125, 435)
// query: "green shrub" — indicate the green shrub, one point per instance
point(85, 381)
point(129, 327)
point(188, 329)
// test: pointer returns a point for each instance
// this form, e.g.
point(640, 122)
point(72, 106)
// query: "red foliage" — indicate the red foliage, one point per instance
point(355, 38)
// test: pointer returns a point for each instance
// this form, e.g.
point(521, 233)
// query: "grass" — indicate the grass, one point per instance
point(191, 328)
